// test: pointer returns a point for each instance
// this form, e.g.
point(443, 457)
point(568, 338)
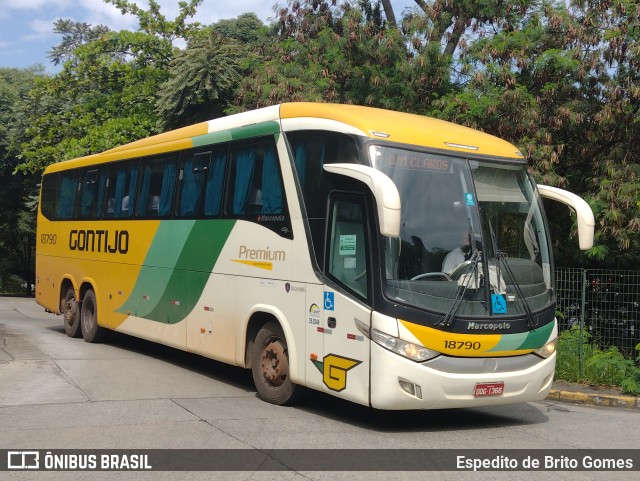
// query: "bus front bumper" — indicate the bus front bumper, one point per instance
point(392, 378)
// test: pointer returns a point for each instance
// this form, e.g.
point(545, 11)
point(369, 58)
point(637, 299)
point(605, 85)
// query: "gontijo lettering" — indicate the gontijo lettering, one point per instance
point(99, 241)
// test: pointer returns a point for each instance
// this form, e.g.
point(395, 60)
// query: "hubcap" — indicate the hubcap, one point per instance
point(69, 311)
point(274, 363)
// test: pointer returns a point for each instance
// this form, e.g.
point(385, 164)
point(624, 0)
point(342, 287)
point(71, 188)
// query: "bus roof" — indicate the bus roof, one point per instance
point(376, 123)
point(405, 128)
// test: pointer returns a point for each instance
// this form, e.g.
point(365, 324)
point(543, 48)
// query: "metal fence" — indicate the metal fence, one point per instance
point(605, 303)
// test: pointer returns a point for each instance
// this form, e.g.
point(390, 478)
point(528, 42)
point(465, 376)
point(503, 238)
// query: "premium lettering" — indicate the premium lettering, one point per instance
point(99, 241)
point(261, 254)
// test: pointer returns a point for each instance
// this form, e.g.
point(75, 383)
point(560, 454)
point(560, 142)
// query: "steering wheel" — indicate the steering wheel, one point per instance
point(458, 271)
point(431, 274)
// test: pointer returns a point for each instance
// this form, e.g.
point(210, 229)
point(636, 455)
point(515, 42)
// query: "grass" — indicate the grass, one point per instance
point(605, 367)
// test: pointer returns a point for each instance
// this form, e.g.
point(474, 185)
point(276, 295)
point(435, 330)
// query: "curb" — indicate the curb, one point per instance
point(594, 399)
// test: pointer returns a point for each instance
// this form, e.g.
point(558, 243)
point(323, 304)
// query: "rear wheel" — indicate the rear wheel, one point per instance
point(71, 313)
point(270, 366)
point(91, 331)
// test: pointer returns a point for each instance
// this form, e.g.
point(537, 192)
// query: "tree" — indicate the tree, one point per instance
point(203, 79)
point(106, 93)
point(17, 218)
point(74, 34)
point(562, 83)
point(334, 52)
point(246, 28)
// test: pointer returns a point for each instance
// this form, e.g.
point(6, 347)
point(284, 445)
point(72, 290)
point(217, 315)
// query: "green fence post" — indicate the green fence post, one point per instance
point(583, 303)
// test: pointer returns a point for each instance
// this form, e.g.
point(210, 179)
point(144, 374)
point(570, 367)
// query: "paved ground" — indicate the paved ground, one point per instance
point(57, 392)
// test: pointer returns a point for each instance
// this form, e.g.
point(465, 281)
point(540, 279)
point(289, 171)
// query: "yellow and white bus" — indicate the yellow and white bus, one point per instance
point(394, 260)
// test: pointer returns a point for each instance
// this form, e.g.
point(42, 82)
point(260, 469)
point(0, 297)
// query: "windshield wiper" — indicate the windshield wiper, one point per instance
point(472, 267)
point(532, 321)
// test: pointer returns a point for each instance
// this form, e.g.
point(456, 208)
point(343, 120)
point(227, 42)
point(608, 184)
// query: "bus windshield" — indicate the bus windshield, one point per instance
point(463, 222)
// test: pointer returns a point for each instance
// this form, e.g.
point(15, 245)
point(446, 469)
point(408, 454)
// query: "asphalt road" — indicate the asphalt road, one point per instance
point(62, 393)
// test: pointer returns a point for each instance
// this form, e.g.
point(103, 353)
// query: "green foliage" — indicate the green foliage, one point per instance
point(203, 80)
point(334, 52)
point(106, 93)
point(559, 79)
point(74, 34)
point(246, 29)
point(154, 23)
point(17, 219)
point(607, 367)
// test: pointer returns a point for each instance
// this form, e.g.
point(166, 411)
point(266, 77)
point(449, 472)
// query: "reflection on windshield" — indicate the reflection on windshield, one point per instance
point(472, 236)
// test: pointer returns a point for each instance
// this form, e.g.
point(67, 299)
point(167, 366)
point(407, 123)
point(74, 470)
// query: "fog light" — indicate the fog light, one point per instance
point(410, 388)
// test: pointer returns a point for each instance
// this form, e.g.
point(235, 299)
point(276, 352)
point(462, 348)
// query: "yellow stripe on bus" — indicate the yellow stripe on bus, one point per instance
point(457, 344)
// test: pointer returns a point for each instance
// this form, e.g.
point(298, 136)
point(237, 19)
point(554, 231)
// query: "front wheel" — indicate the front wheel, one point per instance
point(91, 331)
point(270, 366)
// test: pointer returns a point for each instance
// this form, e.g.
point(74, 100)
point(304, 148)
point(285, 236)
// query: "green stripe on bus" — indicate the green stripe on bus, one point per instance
point(250, 131)
point(168, 294)
point(525, 340)
point(538, 337)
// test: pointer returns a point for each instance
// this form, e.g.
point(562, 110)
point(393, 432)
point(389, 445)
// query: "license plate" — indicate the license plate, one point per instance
point(487, 389)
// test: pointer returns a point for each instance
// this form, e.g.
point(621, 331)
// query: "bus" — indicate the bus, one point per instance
point(315, 244)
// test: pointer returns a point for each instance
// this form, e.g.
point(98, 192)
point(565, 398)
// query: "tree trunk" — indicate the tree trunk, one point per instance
point(388, 12)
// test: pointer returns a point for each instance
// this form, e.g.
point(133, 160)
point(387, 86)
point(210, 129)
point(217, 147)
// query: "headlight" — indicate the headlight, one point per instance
point(406, 349)
point(548, 349)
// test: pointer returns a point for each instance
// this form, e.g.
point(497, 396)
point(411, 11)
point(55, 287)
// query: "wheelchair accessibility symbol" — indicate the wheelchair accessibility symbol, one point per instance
point(328, 301)
point(498, 304)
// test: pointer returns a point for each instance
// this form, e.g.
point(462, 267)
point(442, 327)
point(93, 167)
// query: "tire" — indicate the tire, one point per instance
point(70, 311)
point(91, 331)
point(270, 366)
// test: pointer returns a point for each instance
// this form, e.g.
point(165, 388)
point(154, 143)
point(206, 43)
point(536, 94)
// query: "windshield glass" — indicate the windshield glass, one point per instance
point(463, 222)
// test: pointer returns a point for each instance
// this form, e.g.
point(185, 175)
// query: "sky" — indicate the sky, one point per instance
point(26, 26)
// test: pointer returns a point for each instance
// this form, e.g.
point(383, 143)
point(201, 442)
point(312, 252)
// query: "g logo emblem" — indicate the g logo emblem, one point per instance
point(334, 371)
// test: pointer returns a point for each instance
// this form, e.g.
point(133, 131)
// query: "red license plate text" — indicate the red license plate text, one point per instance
point(487, 389)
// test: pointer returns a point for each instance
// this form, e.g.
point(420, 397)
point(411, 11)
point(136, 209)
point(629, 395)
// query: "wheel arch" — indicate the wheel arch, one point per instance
point(258, 317)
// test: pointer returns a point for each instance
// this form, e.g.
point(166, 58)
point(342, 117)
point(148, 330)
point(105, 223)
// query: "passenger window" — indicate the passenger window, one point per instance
point(158, 182)
point(49, 196)
point(122, 181)
point(347, 243)
point(201, 182)
point(256, 183)
point(68, 194)
point(92, 193)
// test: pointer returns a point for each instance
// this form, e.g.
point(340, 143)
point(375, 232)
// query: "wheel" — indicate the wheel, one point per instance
point(71, 314)
point(270, 366)
point(440, 275)
point(91, 331)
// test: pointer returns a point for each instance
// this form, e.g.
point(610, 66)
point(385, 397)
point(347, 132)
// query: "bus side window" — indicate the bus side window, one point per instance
point(158, 182)
point(122, 182)
point(92, 193)
point(69, 187)
point(256, 182)
point(347, 243)
point(201, 182)
point(49, 196)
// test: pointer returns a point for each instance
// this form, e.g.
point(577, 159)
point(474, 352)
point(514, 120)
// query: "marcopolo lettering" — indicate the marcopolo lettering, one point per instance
point(99, 241)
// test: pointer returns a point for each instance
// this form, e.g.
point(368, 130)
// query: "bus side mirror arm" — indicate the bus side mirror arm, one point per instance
point(586, 222)
point(384, 191)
